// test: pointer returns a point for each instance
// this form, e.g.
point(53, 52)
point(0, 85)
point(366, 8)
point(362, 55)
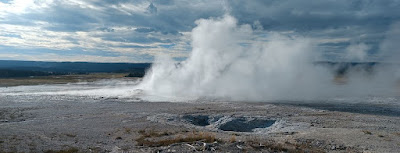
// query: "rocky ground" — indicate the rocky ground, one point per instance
point(113, 125)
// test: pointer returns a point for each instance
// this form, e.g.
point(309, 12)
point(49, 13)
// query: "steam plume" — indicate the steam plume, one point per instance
point(229, 62)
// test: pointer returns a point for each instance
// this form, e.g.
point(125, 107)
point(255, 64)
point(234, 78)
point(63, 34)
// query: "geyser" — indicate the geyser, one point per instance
point(230, 62)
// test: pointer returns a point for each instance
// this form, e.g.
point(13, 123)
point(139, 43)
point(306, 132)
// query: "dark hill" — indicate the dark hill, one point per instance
point(72, 67)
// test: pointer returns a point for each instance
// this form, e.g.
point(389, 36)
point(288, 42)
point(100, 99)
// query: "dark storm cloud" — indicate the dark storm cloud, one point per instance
point(152, 9)
point(339, 23)
point(361, 21)
point(174, 15)
point(145, 30)
point(316, 14)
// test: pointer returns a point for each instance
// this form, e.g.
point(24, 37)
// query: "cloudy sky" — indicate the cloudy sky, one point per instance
point(137, 30)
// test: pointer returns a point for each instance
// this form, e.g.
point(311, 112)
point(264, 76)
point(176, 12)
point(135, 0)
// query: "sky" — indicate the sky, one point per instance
point(138, 30)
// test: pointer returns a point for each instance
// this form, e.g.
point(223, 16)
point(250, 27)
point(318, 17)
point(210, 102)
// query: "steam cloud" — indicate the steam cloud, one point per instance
point(229, 62)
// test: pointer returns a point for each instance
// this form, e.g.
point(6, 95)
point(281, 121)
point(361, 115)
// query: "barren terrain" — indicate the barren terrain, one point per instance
point(114, 125)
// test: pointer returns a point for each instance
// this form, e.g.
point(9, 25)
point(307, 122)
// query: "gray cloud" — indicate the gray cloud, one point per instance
point(357, 20)
point(152, 9)
point(337, 23)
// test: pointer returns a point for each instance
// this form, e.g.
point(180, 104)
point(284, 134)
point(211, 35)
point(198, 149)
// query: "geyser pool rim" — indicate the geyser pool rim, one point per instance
point(241, 124)
point(229, 123)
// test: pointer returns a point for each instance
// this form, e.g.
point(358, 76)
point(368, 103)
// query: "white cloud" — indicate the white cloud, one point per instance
point(23, 6)
point(132, 8)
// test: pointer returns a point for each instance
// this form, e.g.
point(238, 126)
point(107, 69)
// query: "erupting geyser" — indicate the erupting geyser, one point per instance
point(230, 62)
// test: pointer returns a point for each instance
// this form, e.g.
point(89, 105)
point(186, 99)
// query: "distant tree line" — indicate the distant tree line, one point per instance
point(136, 72)
point(10, 68)
point(73, 67)
point(8, 73)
